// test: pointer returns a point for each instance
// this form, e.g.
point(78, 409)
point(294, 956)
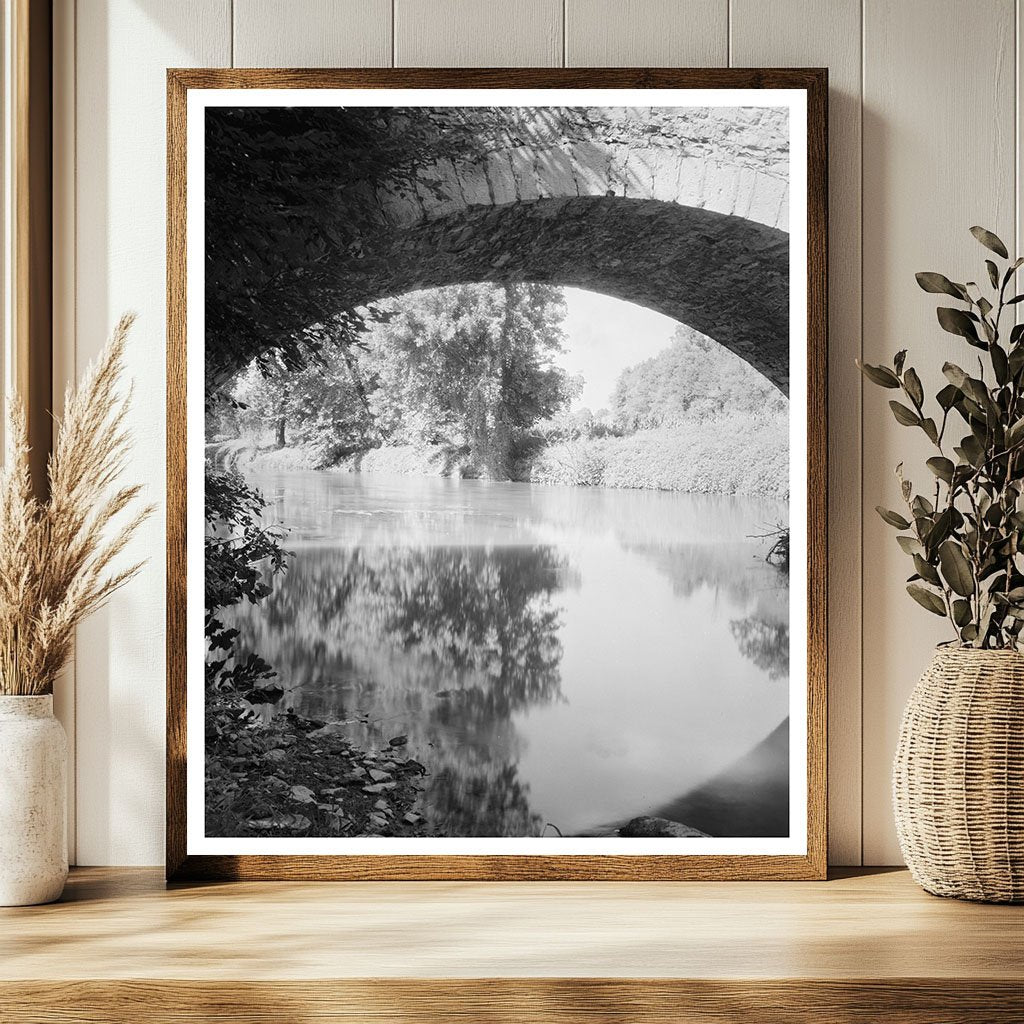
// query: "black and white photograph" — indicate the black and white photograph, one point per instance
point(500, 476)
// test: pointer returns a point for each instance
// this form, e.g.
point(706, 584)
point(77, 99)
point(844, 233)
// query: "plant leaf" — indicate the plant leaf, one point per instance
point(956, 570)
point(922, 506)
point(939, 530)
point(990, 241)
point(961, 612)
point(926, 571)
point(993, 273)
point(954, 374)
point(1016, 359)
point(956, 321)
point(880, 375)
point(948, 397)
point(939, 284)
point(973, 451)
point(926, 598)
point(1000, 364)
point(1015, 434)
point(903, 415)
point(893, 518)
point(911, 545)
point(941, 467)
point(912, 385)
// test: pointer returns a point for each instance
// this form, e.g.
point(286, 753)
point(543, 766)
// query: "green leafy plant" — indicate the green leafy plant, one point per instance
point(966, 535)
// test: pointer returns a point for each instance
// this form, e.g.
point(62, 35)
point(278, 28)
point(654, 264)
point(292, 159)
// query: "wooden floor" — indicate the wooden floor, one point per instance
point(869, 946)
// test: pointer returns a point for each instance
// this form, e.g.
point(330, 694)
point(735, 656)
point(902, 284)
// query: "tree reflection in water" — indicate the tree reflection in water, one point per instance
point(442, 645)
point(764, 642)
point(763, 635)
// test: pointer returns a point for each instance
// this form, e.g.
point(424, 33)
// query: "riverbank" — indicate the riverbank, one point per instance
point(737, 455)
point(731, 455)
point(294, 777)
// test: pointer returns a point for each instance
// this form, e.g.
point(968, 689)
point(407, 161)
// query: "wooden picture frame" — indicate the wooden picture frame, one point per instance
point(809, 864)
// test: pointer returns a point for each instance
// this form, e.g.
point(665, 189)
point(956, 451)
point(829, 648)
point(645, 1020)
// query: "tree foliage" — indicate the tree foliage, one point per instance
point(289, 193)
point(470, 368)
point(695, 377)
point(241, 556)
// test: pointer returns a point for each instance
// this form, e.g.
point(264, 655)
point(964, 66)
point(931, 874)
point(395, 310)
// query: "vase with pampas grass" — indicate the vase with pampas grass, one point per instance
point(58, 560)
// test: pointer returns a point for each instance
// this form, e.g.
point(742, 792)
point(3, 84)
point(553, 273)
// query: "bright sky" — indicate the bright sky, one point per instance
point(606, 335)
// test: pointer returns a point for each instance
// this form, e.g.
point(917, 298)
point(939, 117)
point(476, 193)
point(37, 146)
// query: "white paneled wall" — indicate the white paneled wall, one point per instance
point(924, 98)
point(939, 156)
point(764, 33)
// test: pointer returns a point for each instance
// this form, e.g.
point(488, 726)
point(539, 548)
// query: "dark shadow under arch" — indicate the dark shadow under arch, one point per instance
point(725, 276)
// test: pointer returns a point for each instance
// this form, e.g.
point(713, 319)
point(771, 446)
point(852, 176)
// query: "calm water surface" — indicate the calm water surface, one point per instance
point(572, 656)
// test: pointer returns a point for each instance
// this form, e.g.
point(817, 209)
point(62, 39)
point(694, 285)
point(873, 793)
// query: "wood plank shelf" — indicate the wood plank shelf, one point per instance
point(867, 945)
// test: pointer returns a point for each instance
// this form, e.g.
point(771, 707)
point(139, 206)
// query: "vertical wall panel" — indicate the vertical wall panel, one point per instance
point(791, 33)
point(646, 33)
point(122, 53)
point(468, 33)
point(64, 260)
point(312, 33)
point(939, 156)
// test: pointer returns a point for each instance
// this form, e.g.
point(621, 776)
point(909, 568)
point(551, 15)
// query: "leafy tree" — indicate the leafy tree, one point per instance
point(323, 407)
point(469, 367)
point(694, 377)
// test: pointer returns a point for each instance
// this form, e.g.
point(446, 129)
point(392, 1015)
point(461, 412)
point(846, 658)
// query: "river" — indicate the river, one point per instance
point(560, 659)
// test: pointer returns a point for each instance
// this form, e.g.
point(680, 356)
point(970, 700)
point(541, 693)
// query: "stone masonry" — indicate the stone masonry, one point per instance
point(683, 211)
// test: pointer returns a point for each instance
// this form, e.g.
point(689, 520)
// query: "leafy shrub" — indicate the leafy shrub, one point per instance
point(735, 454)
point(578, 463)
point(241, 556)
point(966, 534)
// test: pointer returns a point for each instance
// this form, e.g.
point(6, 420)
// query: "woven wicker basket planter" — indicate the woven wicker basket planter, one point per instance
point(958, 777)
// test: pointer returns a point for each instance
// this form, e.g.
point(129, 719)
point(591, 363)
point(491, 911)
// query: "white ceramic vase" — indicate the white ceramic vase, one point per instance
point(33, 802)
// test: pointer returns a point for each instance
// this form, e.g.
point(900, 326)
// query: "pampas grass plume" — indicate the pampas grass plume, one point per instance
point(56, 555)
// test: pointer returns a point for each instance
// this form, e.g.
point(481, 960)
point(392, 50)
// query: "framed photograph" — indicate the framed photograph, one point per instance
point(496, 474)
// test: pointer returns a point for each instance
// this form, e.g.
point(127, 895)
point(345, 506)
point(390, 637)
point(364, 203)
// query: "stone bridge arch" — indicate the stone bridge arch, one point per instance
point(685, 215)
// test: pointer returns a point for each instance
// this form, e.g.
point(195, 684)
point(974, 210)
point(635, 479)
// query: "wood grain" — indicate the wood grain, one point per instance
point(647, 33)
point(177, 477)
point(787, 32)
point(467, 33)
point(923, 189)
point(869, 946)
point(29, 166)
point(811, 865)
point(312, 33)
point(501, 1001)
point(125, 923)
